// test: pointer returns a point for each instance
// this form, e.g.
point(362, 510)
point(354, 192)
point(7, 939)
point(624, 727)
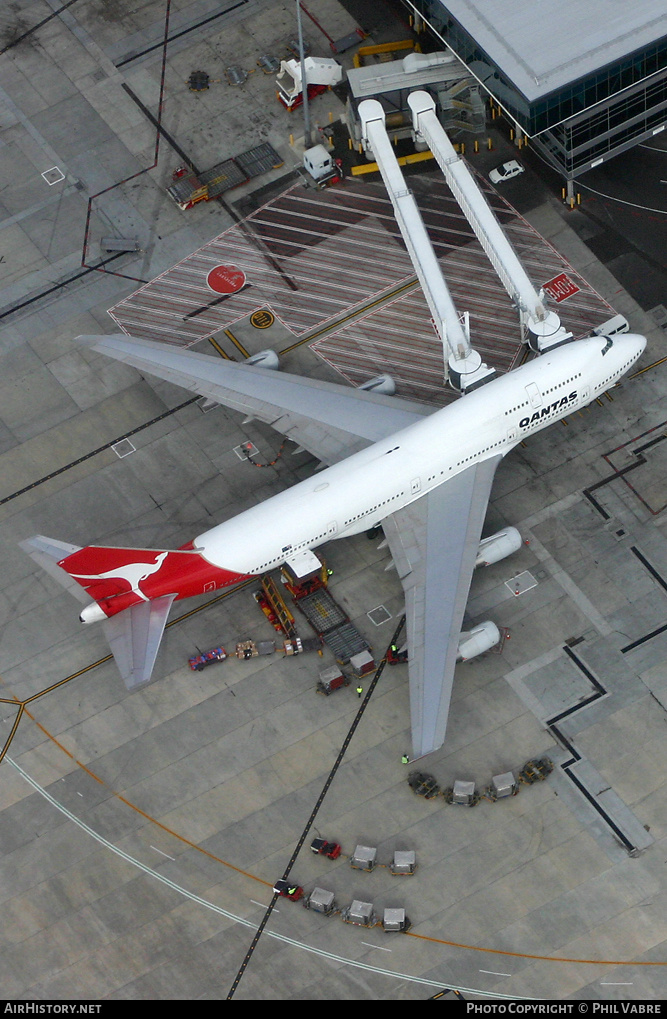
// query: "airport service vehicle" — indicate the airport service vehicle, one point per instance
point(505, 171)
point(321, 73)
point(323, 847)
point(613, 326)
point(288, 891)
point(321, 166)
point(206, 658)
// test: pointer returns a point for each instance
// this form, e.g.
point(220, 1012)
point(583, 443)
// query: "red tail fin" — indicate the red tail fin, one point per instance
point(118, 578)
point(105, 572)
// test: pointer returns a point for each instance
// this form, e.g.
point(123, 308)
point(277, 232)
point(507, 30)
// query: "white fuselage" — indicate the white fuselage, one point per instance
point(359, 492)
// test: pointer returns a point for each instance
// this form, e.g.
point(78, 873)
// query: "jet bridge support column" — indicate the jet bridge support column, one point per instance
point(544, 328)
point(466, 370)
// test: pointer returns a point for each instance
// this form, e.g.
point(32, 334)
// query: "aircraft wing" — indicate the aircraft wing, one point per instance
point(434, 544)
point(330, 421)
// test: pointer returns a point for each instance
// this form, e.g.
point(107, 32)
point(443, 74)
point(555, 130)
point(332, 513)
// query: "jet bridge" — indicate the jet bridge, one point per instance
point(544, 327)
point(466, 370)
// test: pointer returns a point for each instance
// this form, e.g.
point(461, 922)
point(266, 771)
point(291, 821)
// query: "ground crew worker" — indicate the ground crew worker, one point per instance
point(292, 890)
point(360, 690)
point(405, 759)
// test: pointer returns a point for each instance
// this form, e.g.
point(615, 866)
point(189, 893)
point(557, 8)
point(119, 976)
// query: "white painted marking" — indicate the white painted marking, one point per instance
point(494, 974)
point(263, 905)
point(616, 983)
point(246, 450)
point(161, 853)
point(80, 794)
point(521, 583)
point(123, 448)
point(379, 947)
point(53, 176)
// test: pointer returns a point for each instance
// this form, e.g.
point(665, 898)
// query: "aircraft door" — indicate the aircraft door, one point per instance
point(415, 485)
point(534, 395)
point(332, 528)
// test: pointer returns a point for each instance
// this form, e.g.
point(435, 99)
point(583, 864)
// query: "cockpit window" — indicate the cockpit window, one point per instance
point(608, 345)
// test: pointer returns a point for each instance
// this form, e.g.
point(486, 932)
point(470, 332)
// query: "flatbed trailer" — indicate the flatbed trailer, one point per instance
point(329, 621)
point(332, 624)
point(189, 188)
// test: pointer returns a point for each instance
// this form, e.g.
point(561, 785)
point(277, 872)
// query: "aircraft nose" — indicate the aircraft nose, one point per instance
point(635, 344)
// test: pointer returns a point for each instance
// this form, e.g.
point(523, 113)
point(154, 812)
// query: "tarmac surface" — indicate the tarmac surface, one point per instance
point(140, 834)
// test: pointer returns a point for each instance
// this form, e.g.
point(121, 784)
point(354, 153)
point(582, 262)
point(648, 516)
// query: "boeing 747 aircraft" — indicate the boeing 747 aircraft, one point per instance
point(425, 476)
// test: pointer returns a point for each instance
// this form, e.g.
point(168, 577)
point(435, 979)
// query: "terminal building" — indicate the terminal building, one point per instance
point(583, 81)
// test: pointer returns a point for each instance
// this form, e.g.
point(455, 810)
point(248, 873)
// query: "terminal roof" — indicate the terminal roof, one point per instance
point(542, 45)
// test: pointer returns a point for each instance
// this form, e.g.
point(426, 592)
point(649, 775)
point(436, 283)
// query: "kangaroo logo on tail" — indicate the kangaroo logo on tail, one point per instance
point(133, 573)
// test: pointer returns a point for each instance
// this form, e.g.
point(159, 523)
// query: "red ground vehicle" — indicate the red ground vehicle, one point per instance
point(288, 891)
point(323, 848)
point(396, 657)
point(297, 101)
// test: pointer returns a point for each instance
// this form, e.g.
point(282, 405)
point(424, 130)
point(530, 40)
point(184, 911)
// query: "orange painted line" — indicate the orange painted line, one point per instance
point(527, 955)
point(133, 806)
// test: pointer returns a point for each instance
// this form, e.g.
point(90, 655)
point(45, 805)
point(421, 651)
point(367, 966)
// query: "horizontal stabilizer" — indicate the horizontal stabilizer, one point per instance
point(134, 638)
point(47, 553)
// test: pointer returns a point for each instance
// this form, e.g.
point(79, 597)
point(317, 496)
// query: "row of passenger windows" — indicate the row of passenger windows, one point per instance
point(293, 548)
point(561, 384)
point(610, 378)
point(500, 442)
point(373, 508)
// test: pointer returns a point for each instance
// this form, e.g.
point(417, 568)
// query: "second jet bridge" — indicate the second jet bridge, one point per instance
point(544, 328)
point(465, 367)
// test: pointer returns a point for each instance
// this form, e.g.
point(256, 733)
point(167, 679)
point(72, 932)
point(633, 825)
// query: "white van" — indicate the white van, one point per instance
point(617, 324)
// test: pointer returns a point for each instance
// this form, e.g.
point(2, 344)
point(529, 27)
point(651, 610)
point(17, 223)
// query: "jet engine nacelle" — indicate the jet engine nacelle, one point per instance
point(264, 359)
point(477, 641)
point(495, 548)
point(380, 384)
